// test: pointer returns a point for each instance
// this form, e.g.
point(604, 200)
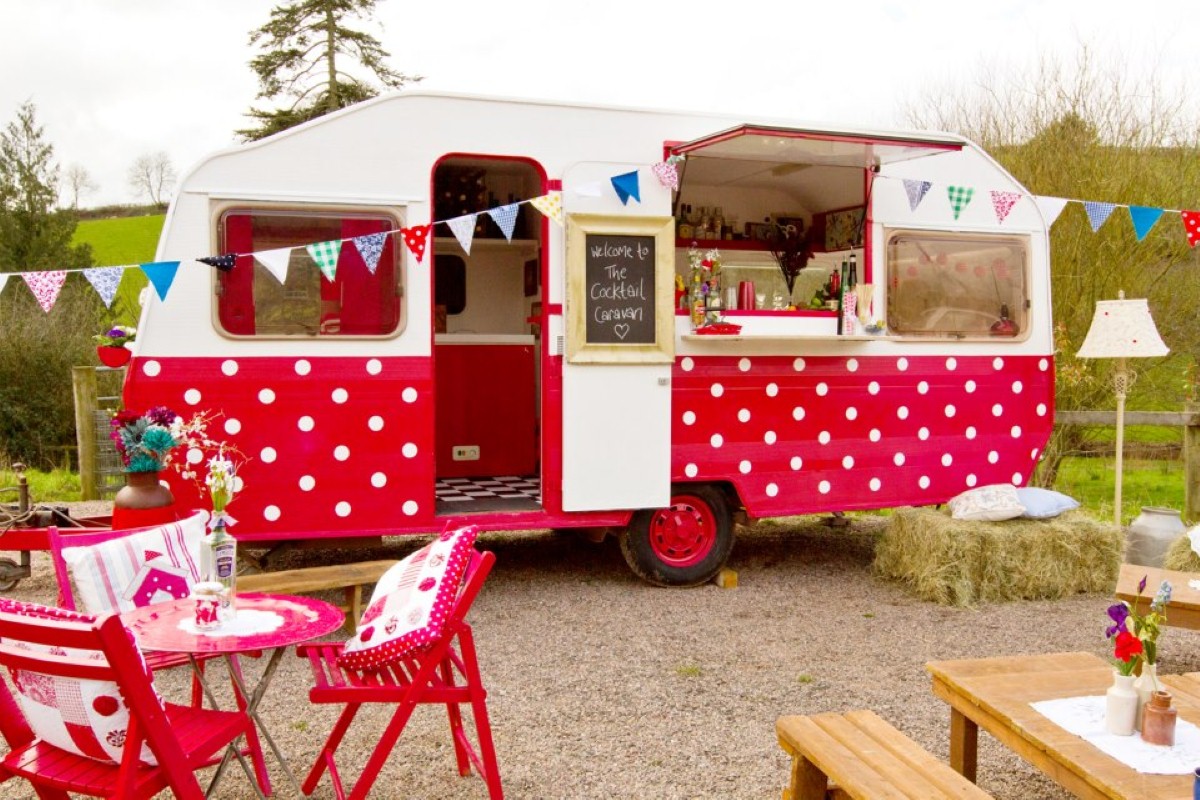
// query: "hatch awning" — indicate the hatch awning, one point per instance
point(779, 147)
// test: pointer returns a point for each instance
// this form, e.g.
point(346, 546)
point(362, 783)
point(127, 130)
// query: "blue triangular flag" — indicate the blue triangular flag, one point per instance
point(506, 218)
point(105, 281)
point(627, 186)
point(370, 247)
point(1143, 219)
point(162, 275)
point(916, 192)
point(1098, 213)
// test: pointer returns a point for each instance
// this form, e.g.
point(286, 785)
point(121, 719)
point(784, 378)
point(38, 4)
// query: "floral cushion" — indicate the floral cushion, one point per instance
point(411, 602)
point(145, 567)
point(990, 503)
point(85, 717)
point(1044, 503)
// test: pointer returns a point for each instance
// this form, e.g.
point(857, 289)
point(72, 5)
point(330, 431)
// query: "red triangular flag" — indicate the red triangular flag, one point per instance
point(415, 239)
point(150, 555)
point(1191, 226)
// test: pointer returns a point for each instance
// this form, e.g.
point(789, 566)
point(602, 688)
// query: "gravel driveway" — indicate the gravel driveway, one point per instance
point(602, 686)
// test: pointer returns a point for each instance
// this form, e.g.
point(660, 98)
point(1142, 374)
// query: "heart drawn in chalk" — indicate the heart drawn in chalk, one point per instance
point(621, 329)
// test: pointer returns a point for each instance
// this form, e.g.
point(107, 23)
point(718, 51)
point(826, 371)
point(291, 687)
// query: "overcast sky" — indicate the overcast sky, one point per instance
point(116, 79)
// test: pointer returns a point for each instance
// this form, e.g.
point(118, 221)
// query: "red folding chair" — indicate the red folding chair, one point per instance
point(446, 673)
point(55, 658)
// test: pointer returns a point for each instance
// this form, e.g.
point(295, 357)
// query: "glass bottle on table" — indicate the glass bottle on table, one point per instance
point(218, 564)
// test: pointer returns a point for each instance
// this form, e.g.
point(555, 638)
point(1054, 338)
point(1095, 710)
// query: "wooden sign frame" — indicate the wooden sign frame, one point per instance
point(662, 230)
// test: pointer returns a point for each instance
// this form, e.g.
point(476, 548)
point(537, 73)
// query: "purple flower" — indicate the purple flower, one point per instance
point(1118, 613)
point(1142, 584)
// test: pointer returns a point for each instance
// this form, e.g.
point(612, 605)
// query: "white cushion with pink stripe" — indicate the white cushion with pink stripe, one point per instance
point(411, 602)
point(139, 569)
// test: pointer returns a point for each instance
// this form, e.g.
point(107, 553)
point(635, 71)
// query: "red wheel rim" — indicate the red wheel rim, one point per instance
point(683, 534)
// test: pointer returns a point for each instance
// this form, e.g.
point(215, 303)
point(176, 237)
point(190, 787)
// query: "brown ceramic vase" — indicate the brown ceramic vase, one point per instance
point(1158, 721)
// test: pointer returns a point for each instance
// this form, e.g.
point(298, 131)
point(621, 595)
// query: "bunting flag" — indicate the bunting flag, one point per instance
point(3, 280)
point(916, 192)
point(1097, 213)
point(104, 280)
point(276, 262)
point(1050, 207)
point(960, 197)
point(667, 175)
point(1191, 226)
point(1003, 202)
point(370, 247)
point(594, 189)
point(224, 263)
point(626, 186)
point(1144, 218)
point(326, 255)
point(463, 229)
point(46, 286)
point(415, 238)
point(506, 218)
point(161, 275)
point(550, 204)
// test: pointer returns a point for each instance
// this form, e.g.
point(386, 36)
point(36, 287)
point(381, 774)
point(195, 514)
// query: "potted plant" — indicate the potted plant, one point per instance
point(144, 443)
point(110, 345)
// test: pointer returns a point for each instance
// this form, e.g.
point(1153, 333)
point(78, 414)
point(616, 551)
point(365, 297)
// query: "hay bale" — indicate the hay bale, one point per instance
point(960, 562)
point(1181, 557)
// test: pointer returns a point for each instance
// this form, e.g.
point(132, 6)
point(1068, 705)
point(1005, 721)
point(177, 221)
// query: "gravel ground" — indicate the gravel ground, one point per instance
point(602, 686)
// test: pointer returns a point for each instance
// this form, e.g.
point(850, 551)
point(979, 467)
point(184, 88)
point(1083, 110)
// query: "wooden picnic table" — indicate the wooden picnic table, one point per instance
point(995, 694)
point(1184, 609)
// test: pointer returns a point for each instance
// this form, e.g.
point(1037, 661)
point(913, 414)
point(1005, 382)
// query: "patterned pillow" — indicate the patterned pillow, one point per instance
point(411, 602)
point(85, 717)
point(989, 503)
point(144, 567)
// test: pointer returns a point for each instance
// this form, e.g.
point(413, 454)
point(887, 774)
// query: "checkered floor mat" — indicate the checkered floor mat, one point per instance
point(506, 487)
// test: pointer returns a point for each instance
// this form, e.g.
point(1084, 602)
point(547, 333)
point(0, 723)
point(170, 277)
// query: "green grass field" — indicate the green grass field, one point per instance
point(121, 240)
point(1146, 483)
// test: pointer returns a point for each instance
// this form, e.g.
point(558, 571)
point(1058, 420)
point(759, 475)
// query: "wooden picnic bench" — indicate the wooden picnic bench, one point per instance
point(348, 577)
point(860, 755)
point(1184, 609)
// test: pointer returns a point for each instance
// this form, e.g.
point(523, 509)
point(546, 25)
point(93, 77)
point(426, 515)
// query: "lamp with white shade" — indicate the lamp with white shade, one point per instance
point(1122, 329)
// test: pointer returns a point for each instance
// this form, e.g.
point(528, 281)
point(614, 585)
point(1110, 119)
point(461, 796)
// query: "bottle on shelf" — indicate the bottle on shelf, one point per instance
point(850, 298)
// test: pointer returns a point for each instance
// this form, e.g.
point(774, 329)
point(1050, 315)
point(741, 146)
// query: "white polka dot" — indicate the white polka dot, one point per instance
point(875, 484)
point(993, 457)
point(378, 480)
point(238, 485)
point(822, 389)
point(151, 368)
point(947, 459)
point(229, 367)
point(744, 365)
point(374, 366)
point(744, 467)
point(687, 364)
point(798, 365)
point(1041, 409)
point(375, 423)
point(902, 412)
point(341, 452)
point(873, 387)
point(923, 482)
point(307, 482)
point(409, 450)
point(823, 487)
point(744, 415)
point(717, 390)
point(195, 455)
point(852, 365)
point(1017, 387)
point(874, 435)
point(851, 413)
point(902, 364)
point(1015, 432)
point(1017, 478)
point(689, 418)
point(971, 479)
point(340, 395)
point(691, 470)
point(970, 431)
point(772, 490)
point(268, 455)
point(717, 440)
point(923, 433)
point(192, 396)
point(1033, 454)
point(342, 509)
point(409, 508)
point(950, 411)
point(997, 363)
point(797, 462)
point(951, 363)
point(823, 437)
point(970, 387)
point(266, 396)
point(233, 426)
point(772, 390)
point(1043, 365)
point(898, 459)
point(305, 423)
point(271, 513)
point(923, 387)
point(997, 410)
point(797, 413)
point(409, 395)
point(302, 367)
point(848, 462)
point(769, 437)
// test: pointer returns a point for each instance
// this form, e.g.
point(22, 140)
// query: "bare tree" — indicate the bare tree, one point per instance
point(79, 182)
point(152, 176)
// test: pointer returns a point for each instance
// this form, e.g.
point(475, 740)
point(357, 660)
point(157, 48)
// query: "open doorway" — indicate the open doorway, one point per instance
point(487, 344)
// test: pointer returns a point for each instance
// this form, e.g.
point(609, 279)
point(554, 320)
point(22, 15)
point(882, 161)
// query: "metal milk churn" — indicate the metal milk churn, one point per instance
point(1151, 535)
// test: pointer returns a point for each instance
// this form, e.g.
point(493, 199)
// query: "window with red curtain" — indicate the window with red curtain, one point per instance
point(251, 301)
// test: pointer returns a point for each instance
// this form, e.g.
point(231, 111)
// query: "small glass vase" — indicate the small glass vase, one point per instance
point(1145, 686)
point(1120, 707)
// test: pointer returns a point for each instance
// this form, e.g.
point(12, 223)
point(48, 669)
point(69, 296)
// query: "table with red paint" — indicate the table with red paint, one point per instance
point(262, 622)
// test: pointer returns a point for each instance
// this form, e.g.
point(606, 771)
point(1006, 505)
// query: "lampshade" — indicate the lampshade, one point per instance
point(1122, 329)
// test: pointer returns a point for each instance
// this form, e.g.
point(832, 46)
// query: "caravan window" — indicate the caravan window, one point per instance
point(957, 284)
point(252, 301)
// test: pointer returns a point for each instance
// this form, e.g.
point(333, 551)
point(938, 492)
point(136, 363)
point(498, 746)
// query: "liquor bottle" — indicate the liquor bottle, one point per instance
point(850, 299)
point(218, 562)
point(841, 295)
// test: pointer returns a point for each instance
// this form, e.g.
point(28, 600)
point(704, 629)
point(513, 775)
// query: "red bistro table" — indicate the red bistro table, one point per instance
point(263, 622)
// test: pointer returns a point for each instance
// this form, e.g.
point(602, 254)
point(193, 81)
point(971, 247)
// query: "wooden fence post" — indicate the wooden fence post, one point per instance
point(1191, 465)
point(83, 384)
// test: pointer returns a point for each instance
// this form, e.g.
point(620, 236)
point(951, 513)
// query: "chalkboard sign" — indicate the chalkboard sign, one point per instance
point(620, 289)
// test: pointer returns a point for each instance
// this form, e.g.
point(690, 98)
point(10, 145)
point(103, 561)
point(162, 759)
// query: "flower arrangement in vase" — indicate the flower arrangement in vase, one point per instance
point(1135, 642)
point(110, 345)
point(1146, 627)
point(144, 442)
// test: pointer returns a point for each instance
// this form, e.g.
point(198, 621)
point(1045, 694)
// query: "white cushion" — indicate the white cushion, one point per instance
point(989, 503)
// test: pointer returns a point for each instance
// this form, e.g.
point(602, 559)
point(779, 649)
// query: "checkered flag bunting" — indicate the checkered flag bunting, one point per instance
point(960, 197)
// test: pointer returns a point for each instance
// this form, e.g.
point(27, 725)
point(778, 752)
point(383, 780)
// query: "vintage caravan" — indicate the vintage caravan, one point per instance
point(544, 370)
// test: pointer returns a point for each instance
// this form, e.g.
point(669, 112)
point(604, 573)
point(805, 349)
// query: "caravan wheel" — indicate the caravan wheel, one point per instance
point(684, 544)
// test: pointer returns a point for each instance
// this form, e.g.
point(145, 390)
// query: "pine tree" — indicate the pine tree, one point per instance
point(303, 41)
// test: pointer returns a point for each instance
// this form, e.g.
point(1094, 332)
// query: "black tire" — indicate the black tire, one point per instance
point(685, 544)
point(10, 574)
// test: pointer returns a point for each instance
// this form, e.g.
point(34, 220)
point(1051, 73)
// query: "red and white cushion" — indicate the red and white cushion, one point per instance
point(145, 567)
point(411, 602)
point(85, 717)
